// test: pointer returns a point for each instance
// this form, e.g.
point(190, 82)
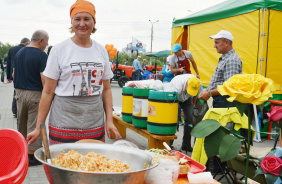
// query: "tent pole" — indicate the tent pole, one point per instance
point(262, 40)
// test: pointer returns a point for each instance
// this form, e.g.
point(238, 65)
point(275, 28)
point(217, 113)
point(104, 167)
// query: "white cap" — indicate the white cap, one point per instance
point(139, 56)
point(223, 34)
point(144, 59)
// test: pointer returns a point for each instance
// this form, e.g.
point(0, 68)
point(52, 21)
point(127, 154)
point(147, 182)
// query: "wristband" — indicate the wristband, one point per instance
point(209, 94)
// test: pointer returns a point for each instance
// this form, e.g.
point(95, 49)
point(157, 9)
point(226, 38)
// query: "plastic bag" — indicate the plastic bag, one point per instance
point(199, 111)
point(204, 177)
point(117, 109)
point(165, 173)
point(125, 143)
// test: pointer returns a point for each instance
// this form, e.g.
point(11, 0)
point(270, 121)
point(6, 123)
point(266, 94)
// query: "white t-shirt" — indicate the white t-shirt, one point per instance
point(79, 71)
point(173, 60)
point(179, 84)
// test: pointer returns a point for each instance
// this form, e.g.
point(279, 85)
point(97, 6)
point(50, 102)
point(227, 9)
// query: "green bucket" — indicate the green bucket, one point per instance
point(140, 107)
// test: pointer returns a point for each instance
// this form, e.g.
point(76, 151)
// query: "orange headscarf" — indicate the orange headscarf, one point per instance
point(82, 6)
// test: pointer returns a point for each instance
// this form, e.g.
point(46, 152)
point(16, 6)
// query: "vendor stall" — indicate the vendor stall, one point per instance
point(255, 25)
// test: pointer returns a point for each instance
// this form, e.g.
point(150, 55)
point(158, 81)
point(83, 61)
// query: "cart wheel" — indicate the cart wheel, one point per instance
point(122, 80)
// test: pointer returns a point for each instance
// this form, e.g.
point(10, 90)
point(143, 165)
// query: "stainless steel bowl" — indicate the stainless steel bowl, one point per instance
point(133, 157)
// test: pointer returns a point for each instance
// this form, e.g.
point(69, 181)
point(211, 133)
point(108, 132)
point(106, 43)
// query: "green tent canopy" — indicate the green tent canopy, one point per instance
point(163, 53)
point(151, 54)
point(227, 9)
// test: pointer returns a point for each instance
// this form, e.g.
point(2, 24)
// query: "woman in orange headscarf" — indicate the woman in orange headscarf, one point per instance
point(77, 87)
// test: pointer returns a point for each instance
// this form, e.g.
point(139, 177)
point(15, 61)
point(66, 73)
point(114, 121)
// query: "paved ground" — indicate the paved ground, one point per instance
point(36, 174)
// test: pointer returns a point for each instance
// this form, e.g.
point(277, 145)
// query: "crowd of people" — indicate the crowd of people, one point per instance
point(77, 102)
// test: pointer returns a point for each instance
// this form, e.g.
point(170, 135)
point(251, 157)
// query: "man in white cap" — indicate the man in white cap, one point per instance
point(138, 69)
point(187, 86)
point(229, 64)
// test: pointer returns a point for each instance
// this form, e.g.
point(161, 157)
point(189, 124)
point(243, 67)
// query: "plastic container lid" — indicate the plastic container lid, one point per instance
point(141, 91)
point(127, 90)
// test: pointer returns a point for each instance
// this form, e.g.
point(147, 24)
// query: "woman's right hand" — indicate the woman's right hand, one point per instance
point(32, 136)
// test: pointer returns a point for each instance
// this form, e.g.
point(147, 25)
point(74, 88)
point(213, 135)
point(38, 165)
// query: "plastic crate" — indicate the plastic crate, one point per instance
point(195, 167)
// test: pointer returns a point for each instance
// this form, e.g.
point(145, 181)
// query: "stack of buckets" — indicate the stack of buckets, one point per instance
point(155, 110)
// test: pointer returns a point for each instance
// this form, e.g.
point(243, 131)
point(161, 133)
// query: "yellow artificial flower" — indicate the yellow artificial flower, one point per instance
point(247, 88)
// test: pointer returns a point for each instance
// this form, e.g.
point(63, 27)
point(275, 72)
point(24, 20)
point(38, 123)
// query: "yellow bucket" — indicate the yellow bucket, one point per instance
point(162, 112)
point(127, 104)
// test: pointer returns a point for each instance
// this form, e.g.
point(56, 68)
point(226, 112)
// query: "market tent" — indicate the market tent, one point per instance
point(151, 54)
point(163, 53)
point(256, 26)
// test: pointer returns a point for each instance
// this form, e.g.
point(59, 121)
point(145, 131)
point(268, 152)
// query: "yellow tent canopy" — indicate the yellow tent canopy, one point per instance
point(257, 29)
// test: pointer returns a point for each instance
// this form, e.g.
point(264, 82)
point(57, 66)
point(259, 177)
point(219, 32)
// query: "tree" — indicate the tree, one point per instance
point(121, 58)
point(4, 48)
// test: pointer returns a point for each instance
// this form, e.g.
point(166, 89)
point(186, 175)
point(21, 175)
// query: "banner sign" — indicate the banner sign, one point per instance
point(138, 45)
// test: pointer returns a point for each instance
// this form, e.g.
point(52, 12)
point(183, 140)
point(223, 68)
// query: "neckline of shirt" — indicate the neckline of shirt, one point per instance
point(82, 48)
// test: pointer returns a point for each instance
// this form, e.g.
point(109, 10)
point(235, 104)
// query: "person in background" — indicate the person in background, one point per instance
point(166, 75)
point(49, 50)
point(180, 61)
point(10, 68)
point(126, 62)
point(5, 62)
point(229, 64)
point(77, 101)
point(30, 63)
point(2, 66)
point(187, 86)
point(138, 68)
point(144, 64)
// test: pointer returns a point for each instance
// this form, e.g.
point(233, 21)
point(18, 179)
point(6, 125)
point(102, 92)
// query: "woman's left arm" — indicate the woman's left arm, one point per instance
point(107, 102)
point(195, 67)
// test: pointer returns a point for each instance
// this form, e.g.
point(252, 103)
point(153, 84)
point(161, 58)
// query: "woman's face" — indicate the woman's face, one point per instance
point(167, 63)
point(82, 24)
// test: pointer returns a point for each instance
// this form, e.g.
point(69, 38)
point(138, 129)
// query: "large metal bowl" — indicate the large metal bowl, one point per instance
point(133, 157)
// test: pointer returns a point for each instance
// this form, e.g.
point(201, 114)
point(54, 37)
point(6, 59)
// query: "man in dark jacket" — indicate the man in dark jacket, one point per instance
point(10, 65)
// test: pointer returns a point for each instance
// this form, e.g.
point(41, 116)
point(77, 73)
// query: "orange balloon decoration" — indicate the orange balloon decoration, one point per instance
point(112, 51)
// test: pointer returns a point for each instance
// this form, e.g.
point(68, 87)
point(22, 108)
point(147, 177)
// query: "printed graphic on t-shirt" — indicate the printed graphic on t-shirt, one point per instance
point(87, 78)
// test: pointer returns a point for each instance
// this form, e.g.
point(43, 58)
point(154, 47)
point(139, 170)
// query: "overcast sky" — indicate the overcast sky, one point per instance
point(117, 20)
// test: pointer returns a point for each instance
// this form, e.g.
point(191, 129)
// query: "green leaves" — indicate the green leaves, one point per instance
point(218, 140)
point(212, 142)
point(270, 178)
point(258, 172)
point(229, 147)
point(205, 128)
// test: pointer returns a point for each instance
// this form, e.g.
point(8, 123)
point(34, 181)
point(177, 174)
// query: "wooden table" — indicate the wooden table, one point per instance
point(154, 141)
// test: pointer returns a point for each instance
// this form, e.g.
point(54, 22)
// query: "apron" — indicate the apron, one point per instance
point(75, 118)
point(184, 63)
